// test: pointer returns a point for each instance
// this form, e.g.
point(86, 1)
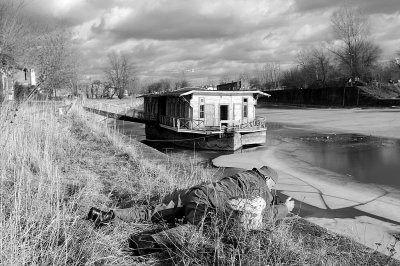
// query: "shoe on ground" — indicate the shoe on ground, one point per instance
point(99, 217)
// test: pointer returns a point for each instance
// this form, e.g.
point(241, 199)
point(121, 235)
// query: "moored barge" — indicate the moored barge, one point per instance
point(205, 119)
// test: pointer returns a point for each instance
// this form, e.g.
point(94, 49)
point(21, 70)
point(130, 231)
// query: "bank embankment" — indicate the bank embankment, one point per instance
point(347, 96)
point(54, 168)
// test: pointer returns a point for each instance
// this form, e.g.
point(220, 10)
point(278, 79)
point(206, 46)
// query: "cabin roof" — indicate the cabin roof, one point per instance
point(199, 91)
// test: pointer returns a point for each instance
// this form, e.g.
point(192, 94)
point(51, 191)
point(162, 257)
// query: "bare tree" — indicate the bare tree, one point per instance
point(292, 78)
point(182, 84)
point(95, 89)
point(158, 86)
point(356, 53)
point(12, 28)
point(12, 38)
point(225, 79)
point(315, 65)
point(54, 55)
point(273, 72)
point(119, 73)
point(307, 67)
point(323, 63)
point(31, 44)
point(267, 77)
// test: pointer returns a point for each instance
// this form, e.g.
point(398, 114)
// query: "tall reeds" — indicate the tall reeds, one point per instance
point(32, 211)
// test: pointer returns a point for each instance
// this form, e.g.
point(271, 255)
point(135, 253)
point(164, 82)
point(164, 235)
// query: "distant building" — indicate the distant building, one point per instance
point(12, 75)
point(24, 76)
point(242, 84)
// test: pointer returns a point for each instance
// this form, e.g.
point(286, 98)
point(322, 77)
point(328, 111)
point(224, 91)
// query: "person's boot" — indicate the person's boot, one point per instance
point(99, 217)
point(143, 244)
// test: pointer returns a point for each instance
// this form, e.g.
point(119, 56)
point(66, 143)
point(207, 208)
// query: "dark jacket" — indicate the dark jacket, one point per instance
point(214, 196)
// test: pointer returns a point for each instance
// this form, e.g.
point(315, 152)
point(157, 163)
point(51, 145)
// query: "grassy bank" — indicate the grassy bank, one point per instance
point(54, 168)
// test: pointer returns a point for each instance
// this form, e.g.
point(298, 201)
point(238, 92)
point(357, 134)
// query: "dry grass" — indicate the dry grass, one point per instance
point(54, 168)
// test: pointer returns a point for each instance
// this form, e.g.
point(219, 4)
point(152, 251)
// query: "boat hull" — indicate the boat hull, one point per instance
point(224, 141)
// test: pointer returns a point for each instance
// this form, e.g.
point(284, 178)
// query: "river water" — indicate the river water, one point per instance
point(366, 159)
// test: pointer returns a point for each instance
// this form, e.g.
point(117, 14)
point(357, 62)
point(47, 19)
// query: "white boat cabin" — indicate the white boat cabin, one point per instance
point(194, 109)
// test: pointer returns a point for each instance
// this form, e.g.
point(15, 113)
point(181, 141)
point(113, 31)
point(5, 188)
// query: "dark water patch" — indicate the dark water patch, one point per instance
point(337, 138)
point(367, 159)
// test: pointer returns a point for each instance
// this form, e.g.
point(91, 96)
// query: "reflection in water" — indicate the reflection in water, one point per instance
point(137, 131)
point(364, 158)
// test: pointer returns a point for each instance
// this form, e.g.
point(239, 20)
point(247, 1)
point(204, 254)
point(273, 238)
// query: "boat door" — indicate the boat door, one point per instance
point(162, 106)
point(209, 115)
point(223, 113)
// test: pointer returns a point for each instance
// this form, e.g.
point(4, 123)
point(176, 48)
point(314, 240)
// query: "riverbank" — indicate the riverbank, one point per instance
point(54, 168)
point(363, 211)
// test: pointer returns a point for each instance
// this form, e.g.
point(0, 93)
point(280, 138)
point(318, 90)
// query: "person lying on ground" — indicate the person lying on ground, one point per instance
point(248, 194)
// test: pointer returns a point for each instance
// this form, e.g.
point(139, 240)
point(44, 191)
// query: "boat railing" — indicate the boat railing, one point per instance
point(120, 110)
point(258, 122)
point(192, 124)
point(108, 107)
point(224, 125)
point(234, 125)
point(182, 123)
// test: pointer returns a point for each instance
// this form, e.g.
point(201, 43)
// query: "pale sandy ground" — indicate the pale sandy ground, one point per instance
point(370, 213)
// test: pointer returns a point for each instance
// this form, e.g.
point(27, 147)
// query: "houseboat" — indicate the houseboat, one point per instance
point(205, 119)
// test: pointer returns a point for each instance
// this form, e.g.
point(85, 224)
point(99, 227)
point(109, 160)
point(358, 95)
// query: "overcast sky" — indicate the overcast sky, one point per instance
point(209, 38)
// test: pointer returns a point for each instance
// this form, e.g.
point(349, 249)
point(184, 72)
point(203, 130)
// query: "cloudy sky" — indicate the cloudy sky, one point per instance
point(208, 39)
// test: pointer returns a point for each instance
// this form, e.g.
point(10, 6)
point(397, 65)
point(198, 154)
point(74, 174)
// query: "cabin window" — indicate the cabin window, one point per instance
point(201, 108)
point(245, 108)
point(183, 109)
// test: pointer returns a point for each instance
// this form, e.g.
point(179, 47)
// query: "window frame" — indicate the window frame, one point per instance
point(245, 109)
point(201, 108)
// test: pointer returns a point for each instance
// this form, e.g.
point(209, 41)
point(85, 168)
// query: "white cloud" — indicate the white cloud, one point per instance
point(216, 37)
point(62, 7)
